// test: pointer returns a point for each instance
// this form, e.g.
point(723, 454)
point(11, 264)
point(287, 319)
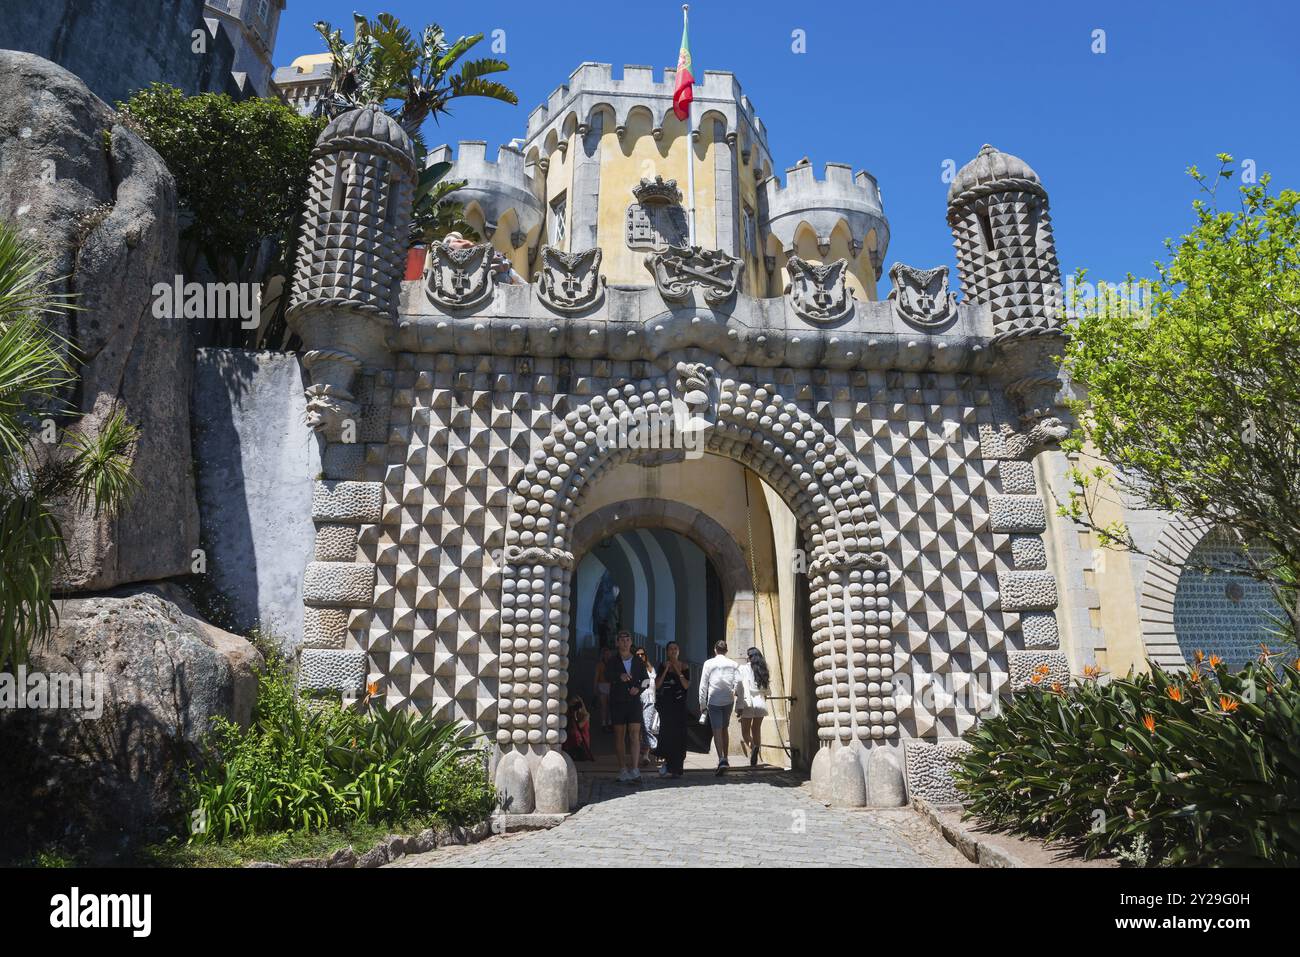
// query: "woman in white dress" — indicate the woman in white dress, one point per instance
point(649, 714)
point(751, 701)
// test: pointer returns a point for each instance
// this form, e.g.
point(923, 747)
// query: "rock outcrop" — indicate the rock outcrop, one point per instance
point(102, 205)
point(108, 770)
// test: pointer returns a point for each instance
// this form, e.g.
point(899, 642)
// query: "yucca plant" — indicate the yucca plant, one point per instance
point(38, 470)
point(1202, 767)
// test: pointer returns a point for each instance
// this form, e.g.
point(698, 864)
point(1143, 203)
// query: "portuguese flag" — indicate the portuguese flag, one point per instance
point(683, 94)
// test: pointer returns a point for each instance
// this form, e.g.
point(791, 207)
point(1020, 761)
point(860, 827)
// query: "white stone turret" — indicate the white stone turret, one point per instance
point(840, 197)
point(494, 188)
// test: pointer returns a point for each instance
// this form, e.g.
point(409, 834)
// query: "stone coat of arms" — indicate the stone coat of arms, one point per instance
point(818, 293)
point(921, 297)
point(458, 278)
point(570, 282)
point(679, 269)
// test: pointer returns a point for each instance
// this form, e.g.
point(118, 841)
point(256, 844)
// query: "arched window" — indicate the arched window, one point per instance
point(1223, 612)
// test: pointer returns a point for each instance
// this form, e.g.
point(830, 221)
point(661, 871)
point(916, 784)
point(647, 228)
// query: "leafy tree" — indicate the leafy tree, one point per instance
point(1194, 403)
point(241, 173)
point(84, 470)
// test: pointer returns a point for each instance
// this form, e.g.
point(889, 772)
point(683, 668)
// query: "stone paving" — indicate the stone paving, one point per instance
point(745, 819)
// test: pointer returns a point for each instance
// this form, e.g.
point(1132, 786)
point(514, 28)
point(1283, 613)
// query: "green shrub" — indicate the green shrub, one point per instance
point(304, 765)
point(1200, 768)
point(459, 792)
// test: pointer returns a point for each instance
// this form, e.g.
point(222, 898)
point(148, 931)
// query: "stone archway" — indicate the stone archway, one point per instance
point(1160, 586)
point(821, 482)
point(717, 544)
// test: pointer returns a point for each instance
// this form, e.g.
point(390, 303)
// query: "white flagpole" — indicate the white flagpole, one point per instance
point(690, 149)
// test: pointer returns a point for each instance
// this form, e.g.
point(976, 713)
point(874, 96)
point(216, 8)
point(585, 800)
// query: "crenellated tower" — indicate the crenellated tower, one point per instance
point(823, 220)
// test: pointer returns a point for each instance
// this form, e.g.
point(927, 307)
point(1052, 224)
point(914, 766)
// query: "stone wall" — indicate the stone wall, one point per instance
point(120, 46)
point(256, 465)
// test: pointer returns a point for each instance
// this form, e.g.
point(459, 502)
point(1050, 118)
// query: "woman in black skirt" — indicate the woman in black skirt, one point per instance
point(670, 699)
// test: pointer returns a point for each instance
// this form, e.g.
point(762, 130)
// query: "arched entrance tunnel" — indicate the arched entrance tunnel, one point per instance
point(694, 551)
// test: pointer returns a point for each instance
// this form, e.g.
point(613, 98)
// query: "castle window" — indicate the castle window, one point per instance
point(986, 229)
point(558, 224)
point(342, 176)
point(751, 231)
point(263, 10)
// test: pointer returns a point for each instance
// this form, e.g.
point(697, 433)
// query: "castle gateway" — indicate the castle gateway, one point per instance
point(730, 437)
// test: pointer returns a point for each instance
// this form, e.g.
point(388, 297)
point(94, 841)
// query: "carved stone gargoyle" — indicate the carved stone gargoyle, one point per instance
point(330, 403)
point(818, 293)
point(570, 282)
point(458, 278)
point(921, 297)
point(679, 269)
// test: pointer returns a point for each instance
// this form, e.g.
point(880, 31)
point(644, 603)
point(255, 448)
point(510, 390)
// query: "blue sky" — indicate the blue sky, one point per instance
point(898, 88)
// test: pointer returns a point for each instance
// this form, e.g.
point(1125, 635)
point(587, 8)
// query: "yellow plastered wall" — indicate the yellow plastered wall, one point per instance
point(1108, 575)
point(640, 156)
point(559, 181)
point(861, 276)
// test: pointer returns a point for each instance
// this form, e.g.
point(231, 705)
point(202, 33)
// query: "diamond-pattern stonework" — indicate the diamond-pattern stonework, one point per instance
point(920, 431)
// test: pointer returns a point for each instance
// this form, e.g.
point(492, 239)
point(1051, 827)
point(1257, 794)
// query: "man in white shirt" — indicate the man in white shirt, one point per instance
point(717, 698)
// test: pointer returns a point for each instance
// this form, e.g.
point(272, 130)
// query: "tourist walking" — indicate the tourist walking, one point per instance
point(602, 687)
point(717, 698)
point(627, 678)
point(673, 682)
point(649, 715)
point(751, 701)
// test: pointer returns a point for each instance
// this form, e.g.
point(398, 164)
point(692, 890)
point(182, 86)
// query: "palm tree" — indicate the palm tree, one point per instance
point(435, 214)
point(37, 474)
point(385, 63)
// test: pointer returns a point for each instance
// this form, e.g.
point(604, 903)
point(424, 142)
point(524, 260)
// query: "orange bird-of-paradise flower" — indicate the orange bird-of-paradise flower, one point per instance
point(1199, 656)
point(1036, 678)
point(1227, 704)
point(1042, 669)
point(1215, 661)
point(1057, 689)
point(1174, 692)
point(1091, 671)
point(1194, 673)
point(1149, 722)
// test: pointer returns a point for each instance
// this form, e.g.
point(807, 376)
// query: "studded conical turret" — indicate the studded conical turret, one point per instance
point(997, 209)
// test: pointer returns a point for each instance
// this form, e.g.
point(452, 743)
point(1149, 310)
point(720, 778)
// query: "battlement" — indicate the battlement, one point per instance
point(838, 182)
point(594, 85)
point(472, 155)
point(840, 195)
point(495, 185)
